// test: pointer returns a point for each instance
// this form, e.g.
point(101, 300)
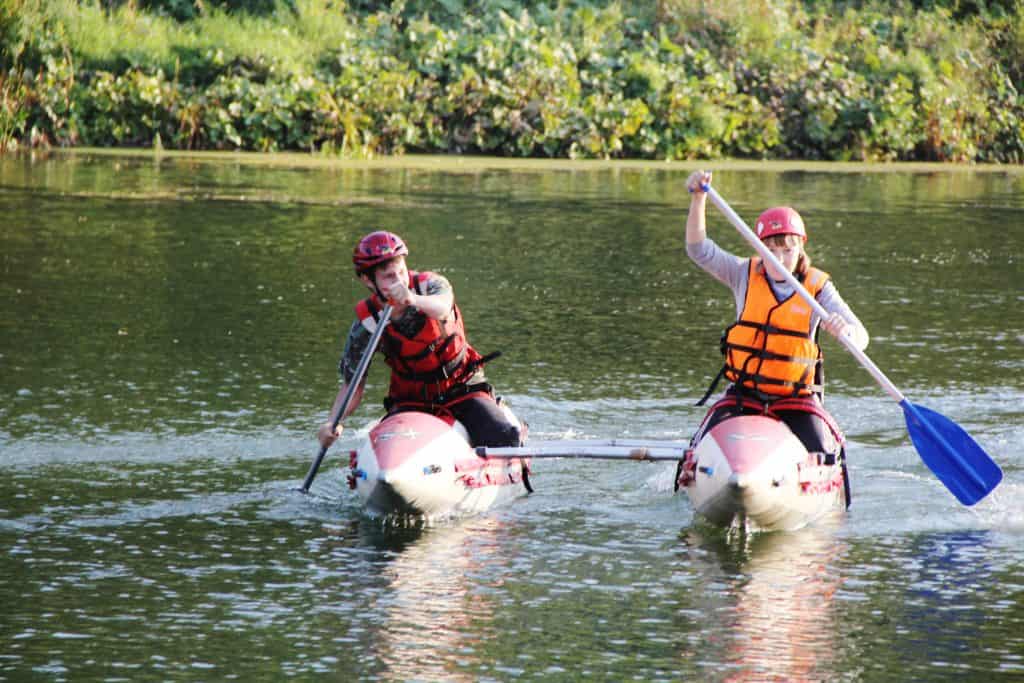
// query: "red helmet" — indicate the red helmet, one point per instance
point(780, 220)
point(377, 247)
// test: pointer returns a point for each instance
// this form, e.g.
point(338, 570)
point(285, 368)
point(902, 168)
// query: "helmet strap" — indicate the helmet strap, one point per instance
point(380, 294)
point(369, 274)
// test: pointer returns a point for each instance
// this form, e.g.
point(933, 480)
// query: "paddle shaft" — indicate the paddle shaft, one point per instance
point(350, 391)
point(768, 256)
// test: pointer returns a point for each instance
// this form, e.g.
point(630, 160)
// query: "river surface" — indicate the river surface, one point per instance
point(169, 333)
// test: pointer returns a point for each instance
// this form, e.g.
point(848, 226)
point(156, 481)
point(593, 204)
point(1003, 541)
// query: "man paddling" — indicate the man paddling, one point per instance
point(434, 369)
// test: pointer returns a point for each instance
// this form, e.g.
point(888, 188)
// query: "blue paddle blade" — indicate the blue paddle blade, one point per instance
point(950, 452)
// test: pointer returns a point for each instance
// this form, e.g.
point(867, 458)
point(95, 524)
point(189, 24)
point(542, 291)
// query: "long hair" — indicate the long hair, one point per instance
point(803, 263)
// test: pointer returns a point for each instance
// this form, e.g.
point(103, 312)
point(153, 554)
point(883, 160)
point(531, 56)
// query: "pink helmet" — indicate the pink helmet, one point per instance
point(376, 248)
point(780, 220)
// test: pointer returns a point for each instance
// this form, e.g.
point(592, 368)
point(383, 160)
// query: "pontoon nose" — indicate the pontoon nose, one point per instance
point(738, 482)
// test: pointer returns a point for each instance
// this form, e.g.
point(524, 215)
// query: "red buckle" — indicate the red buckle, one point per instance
point(688, 469)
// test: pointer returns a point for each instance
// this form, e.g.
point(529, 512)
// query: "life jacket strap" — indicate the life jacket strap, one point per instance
point(441, 403)
point(797, 389)
point(767, 329)
point(437, 347)
point(762, 354)
point(444, 372)
point(711, 389)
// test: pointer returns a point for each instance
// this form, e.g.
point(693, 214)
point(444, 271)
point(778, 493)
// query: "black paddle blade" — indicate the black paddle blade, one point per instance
point(313, 469)
point(950, 452)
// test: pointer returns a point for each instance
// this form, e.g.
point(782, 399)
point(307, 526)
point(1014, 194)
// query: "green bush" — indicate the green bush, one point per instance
point(187, 10)
point(656, 79)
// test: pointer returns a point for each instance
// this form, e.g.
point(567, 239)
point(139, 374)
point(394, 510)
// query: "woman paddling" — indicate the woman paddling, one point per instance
point(772, 357)
point(433, 367)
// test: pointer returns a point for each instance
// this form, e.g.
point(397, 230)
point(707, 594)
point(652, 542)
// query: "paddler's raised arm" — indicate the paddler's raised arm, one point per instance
point(436, 303)
point(696, 220)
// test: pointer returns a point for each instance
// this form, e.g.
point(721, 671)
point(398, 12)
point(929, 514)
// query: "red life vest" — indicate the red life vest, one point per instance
point(771, 348)
point(429, 363)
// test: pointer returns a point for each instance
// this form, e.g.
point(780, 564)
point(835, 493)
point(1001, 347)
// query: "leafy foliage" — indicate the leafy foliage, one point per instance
point(665, 79)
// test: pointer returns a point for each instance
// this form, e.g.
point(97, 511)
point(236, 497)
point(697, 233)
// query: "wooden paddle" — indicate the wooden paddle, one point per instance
point(353, 385)
point(949, 451)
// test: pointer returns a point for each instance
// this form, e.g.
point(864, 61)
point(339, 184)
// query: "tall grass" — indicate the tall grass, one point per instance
point(113, 38)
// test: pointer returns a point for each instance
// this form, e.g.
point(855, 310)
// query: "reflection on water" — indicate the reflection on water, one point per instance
point(776, 615)
point(956, 604)
point(434, 619)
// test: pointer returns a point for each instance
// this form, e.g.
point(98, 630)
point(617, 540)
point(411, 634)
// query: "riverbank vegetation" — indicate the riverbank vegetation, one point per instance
point(652, 79)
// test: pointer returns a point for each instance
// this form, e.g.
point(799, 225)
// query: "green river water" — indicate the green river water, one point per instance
point(169, 333)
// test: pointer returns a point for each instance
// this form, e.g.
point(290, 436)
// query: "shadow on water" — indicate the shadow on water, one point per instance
point(393, 535)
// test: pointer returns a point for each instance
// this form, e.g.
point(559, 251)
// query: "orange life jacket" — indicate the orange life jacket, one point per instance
point(430, 362)
point(771, 348)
